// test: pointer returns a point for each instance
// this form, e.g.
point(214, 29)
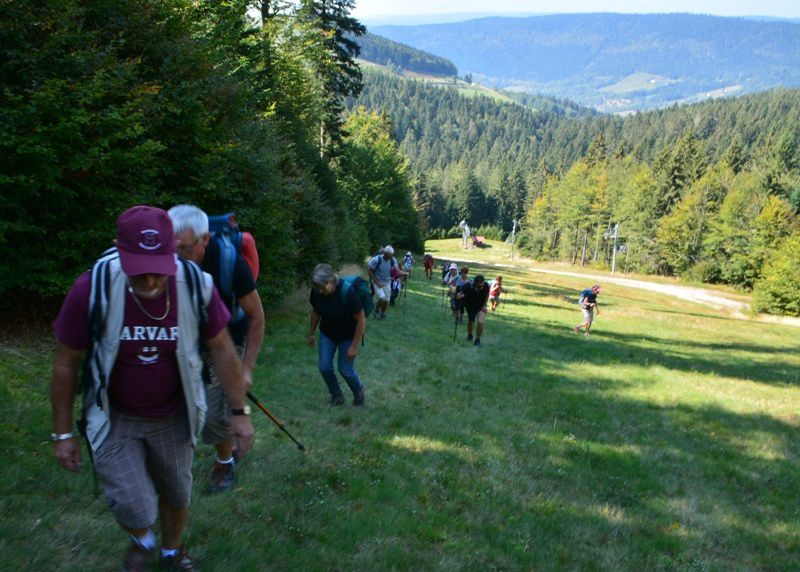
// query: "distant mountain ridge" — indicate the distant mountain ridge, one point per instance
point(617, 62)
point(383, 51)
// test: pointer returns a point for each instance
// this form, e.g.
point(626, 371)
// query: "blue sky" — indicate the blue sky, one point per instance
point(779, 8)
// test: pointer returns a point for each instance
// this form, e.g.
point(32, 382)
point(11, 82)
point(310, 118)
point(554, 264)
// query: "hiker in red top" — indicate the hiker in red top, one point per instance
point(139, 314)
point(494, 293)
point(428, 262)
point(246, 328)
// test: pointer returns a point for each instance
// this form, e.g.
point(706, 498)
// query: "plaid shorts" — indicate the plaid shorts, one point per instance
point(143, 460)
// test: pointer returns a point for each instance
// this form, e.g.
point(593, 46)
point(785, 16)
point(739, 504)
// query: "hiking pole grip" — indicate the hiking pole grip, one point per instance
point(252, 398)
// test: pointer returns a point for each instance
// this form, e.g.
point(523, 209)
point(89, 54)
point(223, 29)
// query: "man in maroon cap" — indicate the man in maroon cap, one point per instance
point(140, 314)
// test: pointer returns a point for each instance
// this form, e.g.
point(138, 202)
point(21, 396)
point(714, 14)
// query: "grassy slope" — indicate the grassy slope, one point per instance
point(666, 440)
point(464, 88)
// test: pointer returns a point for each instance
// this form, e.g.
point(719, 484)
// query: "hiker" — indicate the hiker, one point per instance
point(246, 329)
point(495, 291)
point(428, 262)
point(474, 295)
point(456, 282)
point(408, 262)
point(342, 322)
point(380, 267)
point(588, 303)
point(449, 273)
point(138, 313)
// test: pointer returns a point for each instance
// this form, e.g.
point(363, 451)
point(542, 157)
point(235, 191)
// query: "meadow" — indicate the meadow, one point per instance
point(666, 440)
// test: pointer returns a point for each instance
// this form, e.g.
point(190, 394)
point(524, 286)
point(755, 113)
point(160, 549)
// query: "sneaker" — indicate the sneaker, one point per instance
point(136, 557)
point(577, 330)
point(337, 399)
point(477, 341)
point(358, 398)
point(223, 477)
point(469, 337)
point(181, 561)
point(379, 316)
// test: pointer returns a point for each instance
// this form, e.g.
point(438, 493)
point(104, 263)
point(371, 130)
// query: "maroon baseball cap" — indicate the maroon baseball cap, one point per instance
point(146, 241)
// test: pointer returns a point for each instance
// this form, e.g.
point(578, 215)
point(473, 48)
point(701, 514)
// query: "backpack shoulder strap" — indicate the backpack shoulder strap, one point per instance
point(199, 294)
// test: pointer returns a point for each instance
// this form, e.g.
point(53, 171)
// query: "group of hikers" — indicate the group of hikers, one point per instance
point(161, 337)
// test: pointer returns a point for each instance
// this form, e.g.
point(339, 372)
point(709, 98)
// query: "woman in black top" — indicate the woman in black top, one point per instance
point(338, 311)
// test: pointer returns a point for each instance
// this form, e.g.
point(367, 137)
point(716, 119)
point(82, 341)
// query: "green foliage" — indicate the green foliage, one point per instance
point(383, 51)
point(106, 105)
point(776, 292)
point(374, 178)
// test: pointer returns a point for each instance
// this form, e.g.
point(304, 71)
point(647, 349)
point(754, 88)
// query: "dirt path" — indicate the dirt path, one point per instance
point(692, 294)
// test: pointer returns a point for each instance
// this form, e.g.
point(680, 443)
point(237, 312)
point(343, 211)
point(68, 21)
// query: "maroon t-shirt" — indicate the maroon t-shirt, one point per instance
point(145, 380)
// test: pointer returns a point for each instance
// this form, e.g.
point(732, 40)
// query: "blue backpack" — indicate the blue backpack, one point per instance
point(362, 290)
point(232, 243)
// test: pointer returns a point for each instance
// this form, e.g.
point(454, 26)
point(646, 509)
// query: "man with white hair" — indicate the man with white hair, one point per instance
point(246, 329)
point(380, 271)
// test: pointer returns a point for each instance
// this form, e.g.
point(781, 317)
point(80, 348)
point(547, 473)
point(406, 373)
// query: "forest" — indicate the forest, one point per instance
point(266, 112)
point(710, 191)
point(401, 57)
point(108, 104)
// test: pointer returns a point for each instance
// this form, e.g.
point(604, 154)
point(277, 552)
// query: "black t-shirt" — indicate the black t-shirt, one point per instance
point(243, 284)
point(474, 300)
point(337, 317)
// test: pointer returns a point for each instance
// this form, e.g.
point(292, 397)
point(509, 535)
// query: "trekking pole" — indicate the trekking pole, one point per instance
point(252, 398)
point(82, 432)
point(405, 294)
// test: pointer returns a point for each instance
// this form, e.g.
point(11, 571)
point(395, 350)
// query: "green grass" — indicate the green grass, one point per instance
point(638, 81)
point(666, 440)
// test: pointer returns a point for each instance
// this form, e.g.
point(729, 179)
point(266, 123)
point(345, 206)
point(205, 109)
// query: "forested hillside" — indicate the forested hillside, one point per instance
point(109, 104)
point(617, 62)
point(401, 57)
point(709, 190)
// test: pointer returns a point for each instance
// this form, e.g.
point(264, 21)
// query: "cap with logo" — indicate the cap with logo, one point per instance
point(146, 241)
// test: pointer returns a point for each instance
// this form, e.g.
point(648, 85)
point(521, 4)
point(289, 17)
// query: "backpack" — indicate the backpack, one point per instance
point(362, 290)
point(232, 243)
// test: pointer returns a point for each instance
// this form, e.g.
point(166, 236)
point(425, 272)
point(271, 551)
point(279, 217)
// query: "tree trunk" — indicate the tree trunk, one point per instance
point(585, 241)
point(575, 247)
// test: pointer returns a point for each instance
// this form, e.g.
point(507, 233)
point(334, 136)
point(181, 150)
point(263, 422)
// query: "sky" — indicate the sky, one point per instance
point(778, 8)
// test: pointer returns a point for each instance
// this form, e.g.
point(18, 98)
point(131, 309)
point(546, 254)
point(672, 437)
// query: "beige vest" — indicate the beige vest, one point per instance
point(111, 304)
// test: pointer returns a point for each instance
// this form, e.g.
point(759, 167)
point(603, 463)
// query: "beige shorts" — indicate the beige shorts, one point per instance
point(385, 291)
point(588, 315)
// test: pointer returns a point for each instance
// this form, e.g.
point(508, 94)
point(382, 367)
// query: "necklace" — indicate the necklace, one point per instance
point(146, 313)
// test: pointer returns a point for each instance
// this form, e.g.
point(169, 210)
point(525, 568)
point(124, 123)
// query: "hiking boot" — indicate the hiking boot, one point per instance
point(469, 337)
point(337, 399)
point(477, 341)
point(136, 558)
point(358, 398)
point(181, 561)
point(223, 477)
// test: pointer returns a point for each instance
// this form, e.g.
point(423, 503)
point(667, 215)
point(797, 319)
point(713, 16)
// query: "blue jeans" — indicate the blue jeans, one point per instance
point(327, 347)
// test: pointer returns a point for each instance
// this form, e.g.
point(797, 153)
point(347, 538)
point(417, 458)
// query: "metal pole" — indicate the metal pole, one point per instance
point(614, 256)
point(513, 234)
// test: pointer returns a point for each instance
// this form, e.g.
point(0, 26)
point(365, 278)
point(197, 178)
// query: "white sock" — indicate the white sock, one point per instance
point(228, 461)
point(148, 541)
point(167, 553)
